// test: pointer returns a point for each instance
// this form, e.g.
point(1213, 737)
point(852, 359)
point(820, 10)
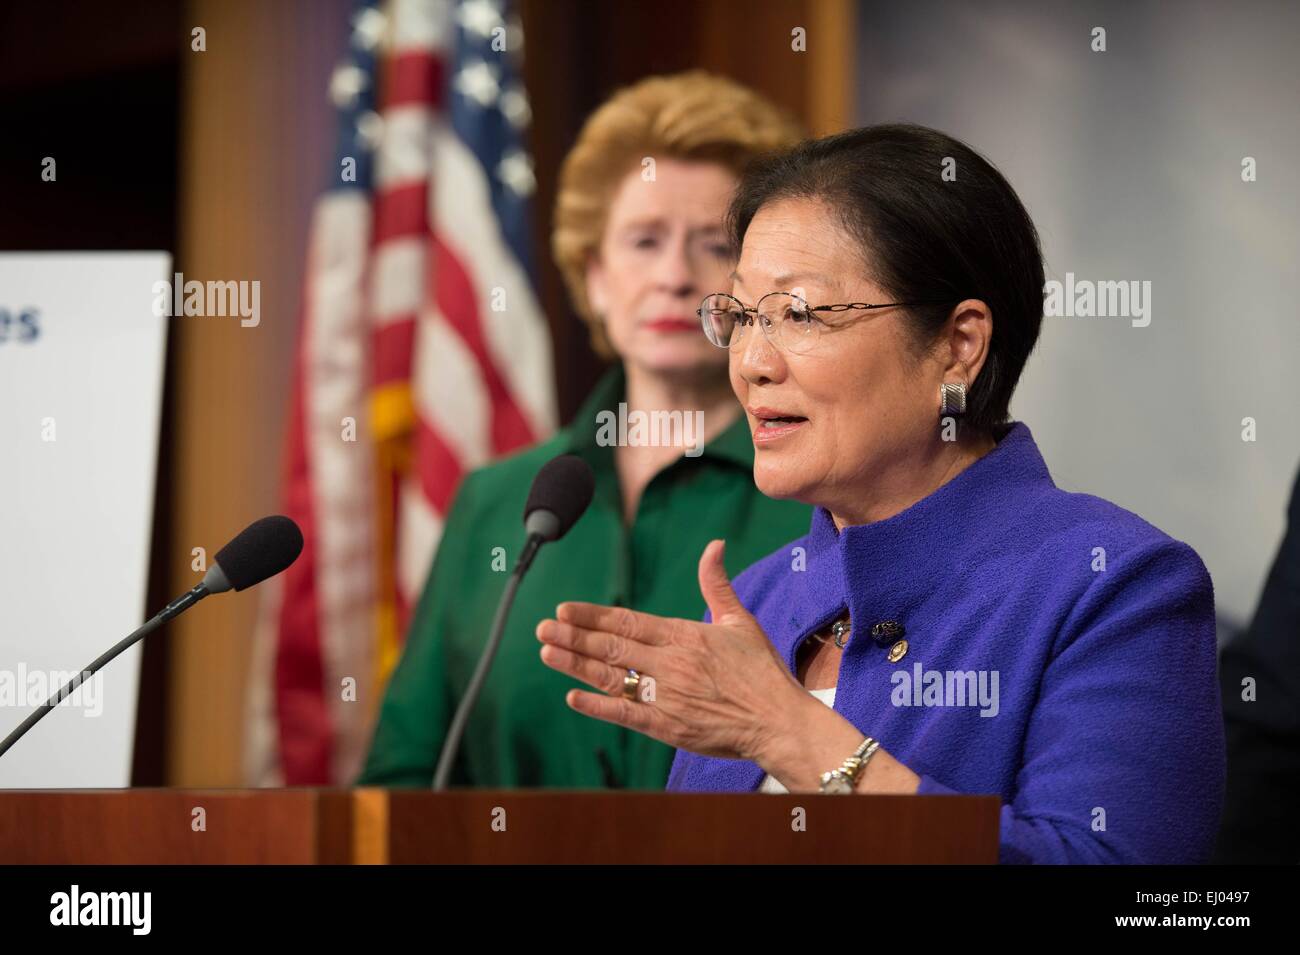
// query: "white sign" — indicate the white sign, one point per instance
point(81, 370)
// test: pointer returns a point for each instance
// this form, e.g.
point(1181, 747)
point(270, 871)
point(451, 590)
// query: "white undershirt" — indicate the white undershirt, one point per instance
point(769, 784)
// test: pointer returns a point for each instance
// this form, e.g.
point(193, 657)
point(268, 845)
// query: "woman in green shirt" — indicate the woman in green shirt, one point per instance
point(639, 238)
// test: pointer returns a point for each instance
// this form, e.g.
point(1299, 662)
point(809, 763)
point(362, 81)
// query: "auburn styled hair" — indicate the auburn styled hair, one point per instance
point(686, 116)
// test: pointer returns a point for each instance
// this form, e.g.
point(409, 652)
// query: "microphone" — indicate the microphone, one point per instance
point(560, 494)
point(261, 550)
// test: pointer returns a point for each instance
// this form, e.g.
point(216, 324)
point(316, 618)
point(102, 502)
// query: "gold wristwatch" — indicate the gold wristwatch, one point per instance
point(840, 782)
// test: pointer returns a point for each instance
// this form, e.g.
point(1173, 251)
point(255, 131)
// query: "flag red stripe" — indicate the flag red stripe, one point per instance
point(454, 293)
point(303, 721)
point(414, 77)
point(438, 467)
point(401, 212)
point(393, 344)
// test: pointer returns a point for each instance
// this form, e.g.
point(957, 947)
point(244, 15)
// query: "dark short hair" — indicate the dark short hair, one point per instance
point(927, 238)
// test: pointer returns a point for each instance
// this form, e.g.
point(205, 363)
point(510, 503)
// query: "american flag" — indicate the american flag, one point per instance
point(423, 353)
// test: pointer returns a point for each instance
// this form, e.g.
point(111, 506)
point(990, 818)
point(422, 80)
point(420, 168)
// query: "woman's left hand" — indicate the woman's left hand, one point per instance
point(717, 689)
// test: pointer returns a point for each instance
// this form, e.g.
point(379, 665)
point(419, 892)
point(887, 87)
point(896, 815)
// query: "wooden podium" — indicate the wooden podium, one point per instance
point(347, 826)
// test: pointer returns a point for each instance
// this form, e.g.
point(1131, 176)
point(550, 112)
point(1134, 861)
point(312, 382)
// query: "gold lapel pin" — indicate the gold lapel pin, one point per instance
point(889, 633)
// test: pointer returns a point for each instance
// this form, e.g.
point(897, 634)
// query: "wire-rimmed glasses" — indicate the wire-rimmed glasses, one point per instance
point(787, 320)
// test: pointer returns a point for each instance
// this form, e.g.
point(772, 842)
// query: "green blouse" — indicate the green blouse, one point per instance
point(521, 732)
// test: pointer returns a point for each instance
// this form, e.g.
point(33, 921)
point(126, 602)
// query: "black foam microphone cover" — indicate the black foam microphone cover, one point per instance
point(564, 486)
point(261, 550)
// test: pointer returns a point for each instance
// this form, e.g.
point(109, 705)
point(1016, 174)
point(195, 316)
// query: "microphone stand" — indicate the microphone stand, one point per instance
point(173, 609)
point(540, 531)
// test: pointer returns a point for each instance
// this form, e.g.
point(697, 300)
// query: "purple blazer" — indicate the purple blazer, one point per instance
point(1060, 654)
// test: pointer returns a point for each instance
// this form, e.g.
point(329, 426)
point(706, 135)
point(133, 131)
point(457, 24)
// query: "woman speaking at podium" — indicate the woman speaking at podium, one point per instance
point(952, 622)
point(639, 240)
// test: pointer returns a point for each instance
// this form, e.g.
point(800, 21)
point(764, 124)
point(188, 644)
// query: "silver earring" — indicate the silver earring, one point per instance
point(952, 398)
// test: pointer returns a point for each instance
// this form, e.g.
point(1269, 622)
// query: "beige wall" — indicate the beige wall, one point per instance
point(256, 146)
